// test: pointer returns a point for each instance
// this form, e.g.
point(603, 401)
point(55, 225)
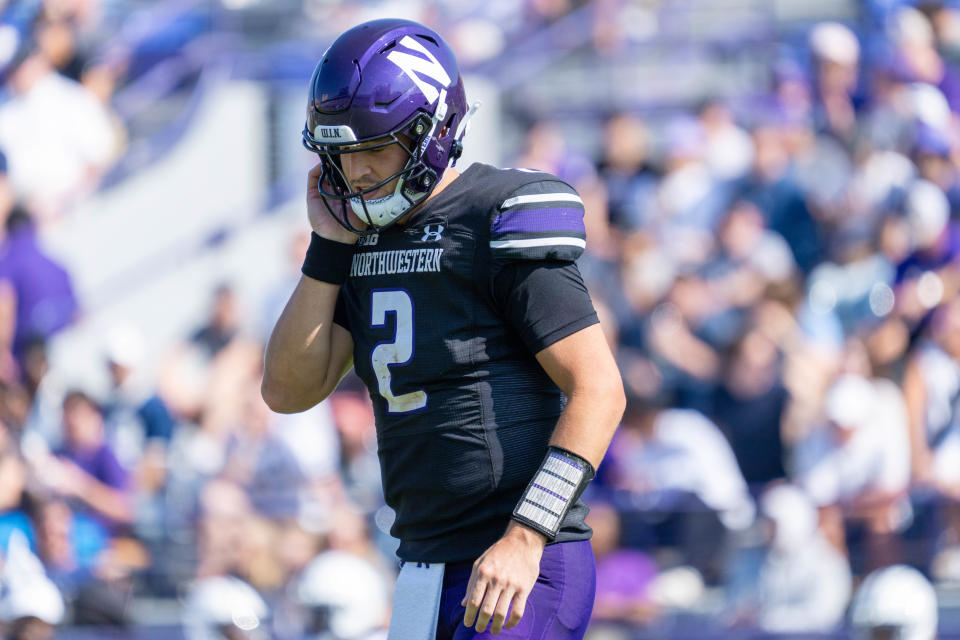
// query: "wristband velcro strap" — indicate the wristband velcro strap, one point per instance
point(327, 260)
point(555, 487)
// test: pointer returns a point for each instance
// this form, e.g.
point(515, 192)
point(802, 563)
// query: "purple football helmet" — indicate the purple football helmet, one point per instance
point(393, 82)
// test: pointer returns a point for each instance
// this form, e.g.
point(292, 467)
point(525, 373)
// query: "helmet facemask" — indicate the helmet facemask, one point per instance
point(414, 181)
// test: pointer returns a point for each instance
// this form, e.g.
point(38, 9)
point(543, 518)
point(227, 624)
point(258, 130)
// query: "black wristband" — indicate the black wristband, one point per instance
point(327, 260)
point(558, 483)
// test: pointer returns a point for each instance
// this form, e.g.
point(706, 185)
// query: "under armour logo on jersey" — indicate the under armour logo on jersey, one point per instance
point(432, 233)
point(415, 67)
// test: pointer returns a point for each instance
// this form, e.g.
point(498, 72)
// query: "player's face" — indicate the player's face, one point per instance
point(372, 165)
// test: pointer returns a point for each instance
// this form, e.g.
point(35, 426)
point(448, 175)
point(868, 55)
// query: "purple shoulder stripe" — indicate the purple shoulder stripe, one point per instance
point(536, 220)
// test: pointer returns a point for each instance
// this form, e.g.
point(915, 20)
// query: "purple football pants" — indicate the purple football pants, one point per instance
point(558, 607)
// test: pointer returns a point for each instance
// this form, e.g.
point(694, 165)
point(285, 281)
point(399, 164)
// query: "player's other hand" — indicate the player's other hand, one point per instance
point(320, 219)
point(502, 579)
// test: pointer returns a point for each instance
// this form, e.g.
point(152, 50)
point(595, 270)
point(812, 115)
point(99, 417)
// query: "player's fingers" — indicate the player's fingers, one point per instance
point(487, 607)
point(501, 611)
point(314, 175)
point(476, 587)
point(471, 583)
point(516, 612)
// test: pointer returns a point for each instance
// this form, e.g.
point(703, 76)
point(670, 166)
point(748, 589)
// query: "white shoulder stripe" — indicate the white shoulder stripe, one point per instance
point(537, 242)
point(541, 197)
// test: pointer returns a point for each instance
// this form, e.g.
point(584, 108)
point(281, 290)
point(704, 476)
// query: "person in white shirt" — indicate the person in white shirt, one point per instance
point(801, 584)
point(58, 137)
point(681, 450)
point(931, 387)
point(856, 466)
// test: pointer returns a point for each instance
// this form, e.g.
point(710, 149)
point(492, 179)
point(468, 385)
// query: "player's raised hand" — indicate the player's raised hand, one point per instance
point(502, 579)
point(321, 221)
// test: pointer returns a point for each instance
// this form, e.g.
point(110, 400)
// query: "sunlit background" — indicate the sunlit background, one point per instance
point(772, 193)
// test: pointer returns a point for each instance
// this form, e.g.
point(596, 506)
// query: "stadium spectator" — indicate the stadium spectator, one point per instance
point(86, 470)
point(624, 576)
point(897, 600)
point(359, 466)
point(50, 169)
point(749, 406)
point(139, 425)
point(858, 464)
point(32, 283)
point(77, 556)
point(226, 607)
point(689, 199)
point(224, 514)
point(675, 465)
point(728, 148)
point(799, 583)
point(198, 377)
point(344, 597)
point(772, 189)
point(626, 170)
point(261, 462)
point(31, 606)
point(836, 56)
point(13, 483)
point(222, 326)
point(43, 391)
point(931, 388)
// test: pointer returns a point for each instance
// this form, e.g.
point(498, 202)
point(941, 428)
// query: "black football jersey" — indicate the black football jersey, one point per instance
point(463, 410)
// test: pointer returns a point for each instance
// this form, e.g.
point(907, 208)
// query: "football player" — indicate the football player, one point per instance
point(457, 300)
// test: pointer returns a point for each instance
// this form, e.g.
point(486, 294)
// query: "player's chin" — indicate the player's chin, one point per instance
point(356, 222)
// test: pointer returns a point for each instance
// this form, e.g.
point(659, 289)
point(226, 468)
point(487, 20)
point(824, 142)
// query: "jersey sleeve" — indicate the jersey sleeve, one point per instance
point(543, 301)
point(340, 312)
point(540, 220)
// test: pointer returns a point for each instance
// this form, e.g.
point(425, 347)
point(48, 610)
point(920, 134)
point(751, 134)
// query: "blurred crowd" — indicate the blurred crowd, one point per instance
point(778, 275)
point(779, 279)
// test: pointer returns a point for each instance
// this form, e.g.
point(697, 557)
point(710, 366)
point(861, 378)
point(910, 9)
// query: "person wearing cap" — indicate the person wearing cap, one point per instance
point(856, 466)
point(139, 424)
point(224, 607)
point(924, 278)
point(802, 583)
point(895, 602)
point(836, 57)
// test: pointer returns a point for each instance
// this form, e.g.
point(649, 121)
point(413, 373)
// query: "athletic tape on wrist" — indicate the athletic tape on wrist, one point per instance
point(558, 483)
point(327, 260)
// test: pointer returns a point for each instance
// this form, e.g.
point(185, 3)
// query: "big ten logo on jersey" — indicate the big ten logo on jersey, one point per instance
point(368, 241)
point(432, 233)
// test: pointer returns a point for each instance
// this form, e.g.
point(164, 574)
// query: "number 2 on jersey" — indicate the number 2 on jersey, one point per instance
point(398, 352)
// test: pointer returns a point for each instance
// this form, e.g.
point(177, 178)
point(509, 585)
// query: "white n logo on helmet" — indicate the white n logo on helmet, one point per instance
point(413, 66)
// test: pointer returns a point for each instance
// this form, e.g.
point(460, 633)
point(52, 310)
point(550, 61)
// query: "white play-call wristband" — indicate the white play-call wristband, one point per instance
point(555, 487)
